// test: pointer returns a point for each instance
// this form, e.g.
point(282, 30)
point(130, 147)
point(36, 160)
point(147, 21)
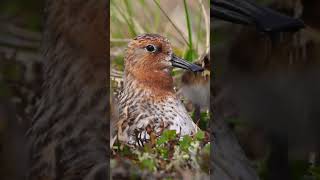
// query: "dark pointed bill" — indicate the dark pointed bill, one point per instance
point(249, 13)
point(181, 63)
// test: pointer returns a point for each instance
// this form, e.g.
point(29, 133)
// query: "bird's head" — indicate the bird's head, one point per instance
point(152, 52)
point(149, 59)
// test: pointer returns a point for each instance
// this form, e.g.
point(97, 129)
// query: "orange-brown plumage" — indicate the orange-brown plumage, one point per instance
point(151, 70)
point(148, 100)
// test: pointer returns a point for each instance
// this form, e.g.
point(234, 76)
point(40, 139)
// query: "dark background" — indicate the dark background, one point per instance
point(20, 79)
point(267, 90)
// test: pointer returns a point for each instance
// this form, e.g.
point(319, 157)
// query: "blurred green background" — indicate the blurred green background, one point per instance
point(185, 23)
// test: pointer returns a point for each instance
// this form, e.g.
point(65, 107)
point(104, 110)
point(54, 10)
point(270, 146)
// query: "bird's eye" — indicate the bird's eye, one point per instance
point(151, 48)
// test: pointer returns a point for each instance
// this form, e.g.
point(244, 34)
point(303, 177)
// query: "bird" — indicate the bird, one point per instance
point(148, 103)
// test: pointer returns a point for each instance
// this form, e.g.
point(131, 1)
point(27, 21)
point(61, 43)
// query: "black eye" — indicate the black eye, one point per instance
point(151, 48)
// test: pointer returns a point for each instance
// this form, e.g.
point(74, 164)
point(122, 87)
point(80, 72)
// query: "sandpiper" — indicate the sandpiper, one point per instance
point(148, 103)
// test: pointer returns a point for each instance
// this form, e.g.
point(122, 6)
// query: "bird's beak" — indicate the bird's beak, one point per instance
point(181, 63)
point(250, 13)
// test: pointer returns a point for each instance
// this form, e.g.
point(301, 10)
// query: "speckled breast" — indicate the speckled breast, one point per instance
point(142, 114)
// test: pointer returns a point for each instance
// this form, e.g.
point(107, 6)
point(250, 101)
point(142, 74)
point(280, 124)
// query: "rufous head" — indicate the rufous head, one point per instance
point(154, 52)
point(149, 58)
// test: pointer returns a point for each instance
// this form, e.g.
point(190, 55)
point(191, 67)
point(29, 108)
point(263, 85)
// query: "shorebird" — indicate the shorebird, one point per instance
point(148, 103)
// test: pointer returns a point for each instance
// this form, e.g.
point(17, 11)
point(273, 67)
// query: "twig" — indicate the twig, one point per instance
point(20, 32)
point(207, 24)
point(119, 40)
point(179, 31)
point(18, 43)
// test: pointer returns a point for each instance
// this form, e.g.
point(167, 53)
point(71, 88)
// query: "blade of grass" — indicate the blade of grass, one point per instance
point(188, 24)
point(143, 2)
point(148, 11)
point(190, 54)
point(119, 40)
point(131, 28)
point(198, 33)
point(207, 24)
point(138, 29)
point(178, 30)
point(156, 20)
point(129, 11)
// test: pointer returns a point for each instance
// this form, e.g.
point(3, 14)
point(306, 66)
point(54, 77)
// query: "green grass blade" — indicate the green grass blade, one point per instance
point(178, 30)
point(188, 24)
point(191, 53)
point(131, 28)
point(130, 15)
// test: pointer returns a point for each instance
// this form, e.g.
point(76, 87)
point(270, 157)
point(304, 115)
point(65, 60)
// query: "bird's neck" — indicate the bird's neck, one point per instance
point(159, 83)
